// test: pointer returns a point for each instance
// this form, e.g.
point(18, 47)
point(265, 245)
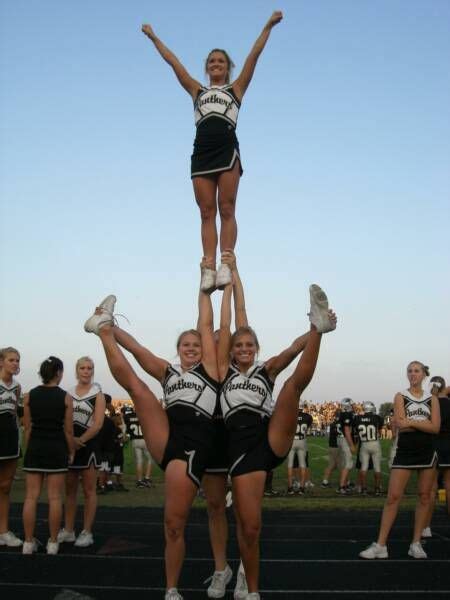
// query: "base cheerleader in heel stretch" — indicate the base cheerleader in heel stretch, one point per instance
point(216, 162)
point(180, 438)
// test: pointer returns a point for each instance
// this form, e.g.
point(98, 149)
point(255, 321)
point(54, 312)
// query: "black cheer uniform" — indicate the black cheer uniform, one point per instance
point(415, 449)
point(216, 147)
point(190, 399)
point(83, 418)
point(9, 429)
point(247, 405)
point(47, 447)
point(442, 439)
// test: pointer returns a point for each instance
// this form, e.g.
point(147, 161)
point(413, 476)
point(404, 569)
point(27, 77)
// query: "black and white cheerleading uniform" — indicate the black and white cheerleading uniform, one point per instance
point(216, 147)
point(190, 398)
point(415, 449)
point(83, 419)
point(299, 446)
point(9, 429)
point(247, 405)
point(442, 439)
point(47, 447)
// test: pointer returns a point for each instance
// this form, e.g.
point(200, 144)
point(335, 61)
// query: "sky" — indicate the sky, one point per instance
point(345, 143)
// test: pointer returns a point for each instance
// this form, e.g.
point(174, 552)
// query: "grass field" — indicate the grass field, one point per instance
point(315, 499)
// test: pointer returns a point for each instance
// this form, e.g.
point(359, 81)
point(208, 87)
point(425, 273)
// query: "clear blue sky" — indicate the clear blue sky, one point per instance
point(345, 142)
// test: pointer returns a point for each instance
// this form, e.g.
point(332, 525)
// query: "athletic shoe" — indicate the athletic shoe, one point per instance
point(319, 315)
point(301, 491)
point(362, 491)
point(147, 482)
point(52, 547)
point(325, 484)
point(107, 305)
point(30, 547)
point(219, 582)
point(208, 281)
point(416, 551)
point(253, 596)
point(9, 539)
point(290, 491)
point(241, 589)
point(426, 533)
point(140, 484)
point(65, 536)
point(374, 551)
point(270, 493)
point(97, 321)
point(84, 540)
point(173, 594)
point(223, 276)
point(378, 491)
point(309, 484)
point(343, 491)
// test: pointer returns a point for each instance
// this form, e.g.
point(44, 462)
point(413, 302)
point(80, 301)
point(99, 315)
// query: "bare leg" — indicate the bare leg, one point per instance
point(7, 471)
point(180, 493)
point(33, 491)
point(424, 485)
point(151, 415)
point(88, 480)
point(397, 484)
point(228, 183)
point(248, 492)
point(70, 505)
point(283, 422)
point(55, 486)
point(215, 488)
point(205, 190)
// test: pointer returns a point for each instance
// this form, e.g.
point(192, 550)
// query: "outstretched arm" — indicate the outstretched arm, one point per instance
point(241, 84)
point(205, 326)
point(240, 313)
point(190, 84)
point(223, 347)
point(278, 363)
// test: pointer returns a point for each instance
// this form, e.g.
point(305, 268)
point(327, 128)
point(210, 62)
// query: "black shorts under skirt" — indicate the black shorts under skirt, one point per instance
point(249, 448)
point(415, 450)
point(9, 443)
point(46, 455)
point(190, 439)
point(442, 446)
point(216, 149)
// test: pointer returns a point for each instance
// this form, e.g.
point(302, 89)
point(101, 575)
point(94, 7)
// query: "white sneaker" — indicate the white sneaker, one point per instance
point(94, 323)
point(9, 539)
point(374, 551)
point(30, 547)
point(253, 596)
point(84, 540)
point(173, 594)
point(319, 314)
point(52, 547)
point(108, 304)
point(426, 533)
point(219, 582)
point(65, 536)
point(223, 276)
point(241, 589)
point(309, 484)
point(416, 550)
point(208, 281)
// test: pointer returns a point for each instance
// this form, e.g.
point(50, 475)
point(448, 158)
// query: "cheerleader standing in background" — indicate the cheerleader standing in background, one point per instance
point(88, 415)
point(48, 424)
point(216, 163)
point(417, 418)
point(9, 438)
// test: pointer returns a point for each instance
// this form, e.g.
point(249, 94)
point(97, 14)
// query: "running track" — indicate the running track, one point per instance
point(304, 555)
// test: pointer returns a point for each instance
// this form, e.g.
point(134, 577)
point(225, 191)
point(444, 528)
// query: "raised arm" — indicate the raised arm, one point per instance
point(278, 363)
point(205, 326)
point(190, 84)
point(241, 84)
point(240, 313)
point(223, 346)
